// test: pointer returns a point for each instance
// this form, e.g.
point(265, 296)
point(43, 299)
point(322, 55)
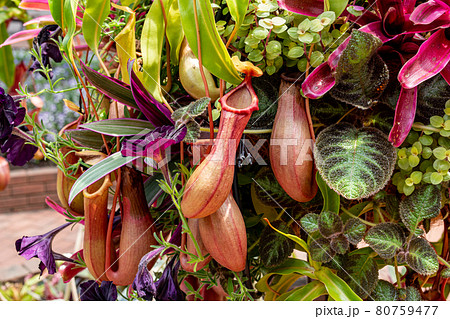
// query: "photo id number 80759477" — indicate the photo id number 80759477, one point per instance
point(406, 310)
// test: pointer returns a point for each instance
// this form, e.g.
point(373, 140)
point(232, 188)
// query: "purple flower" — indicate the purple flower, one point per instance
point(41, 247)
point(143, 283)
point(49, 48)
point(91, 291)
point(11, 114)
point(17, 151)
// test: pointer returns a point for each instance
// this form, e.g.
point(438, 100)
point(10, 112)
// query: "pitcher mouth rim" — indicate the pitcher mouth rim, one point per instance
point(245, 111)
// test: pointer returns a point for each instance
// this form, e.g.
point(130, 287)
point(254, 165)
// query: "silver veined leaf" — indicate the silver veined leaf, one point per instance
point(421, 257)
point(310, 222)
point(386, 239)
point(356, 163)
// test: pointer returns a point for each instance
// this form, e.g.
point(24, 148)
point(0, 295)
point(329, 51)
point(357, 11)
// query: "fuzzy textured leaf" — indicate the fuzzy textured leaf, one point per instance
point(421, 204)
point(269, 191)
point(354, 230)
point(275, 248)
point(321, 251)
point(421, 257)
point(191, 111)
point(412, 294)
point(356, 163)
point(329, 224)
point(385, 291)
point(310, 222)
point(192, 133)
point(339, 244)
point(361, 74)
point(361, 274)
point(386, 239)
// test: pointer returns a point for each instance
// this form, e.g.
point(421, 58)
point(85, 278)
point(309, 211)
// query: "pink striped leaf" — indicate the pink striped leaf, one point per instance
point(21, 36)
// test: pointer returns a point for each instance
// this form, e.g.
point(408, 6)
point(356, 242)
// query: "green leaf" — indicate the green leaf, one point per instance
point(86, 138)
point(191, 111)
point(361, 74)
point(7, 65)
point(445, 273)
point(356, 163)
point(174, 32)
point(422, 203)
point(386, 239)
point(238, 10)
point(411, 294)
point(354, 230)
point(337, 6)
point(69, 24)
point(329, 224)
point(331, 199)
point(421, 257)
point(96, 172)
point(308, 292)
point(360, 272)
point(111, 88)
point(126, 43)
point(320, 250)
point(151, 43)
point(275, 248)
point(336, 287)
point(339, 244)
point(281, 285)
point(310, 222)
point(95, 13)
point(119, 127)
point(214, 54)
point(57, 10)
point(296, 239)
point(269, 191)
point(290, 266)
point(193, 132)
point(385, 291)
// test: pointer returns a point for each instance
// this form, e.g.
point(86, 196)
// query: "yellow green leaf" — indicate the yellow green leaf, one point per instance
point(174, 32)
point(7, 67)
point(336, 287)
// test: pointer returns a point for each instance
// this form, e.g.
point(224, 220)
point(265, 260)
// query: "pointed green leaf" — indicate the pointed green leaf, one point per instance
point(422, 203)
point(57, 11)
point(360, 272)
point(354, 230)
point(275, 248)
point(69, 25)
point(336, 287)
point(331, 199)
point(7, 66)
point(321, 251)
point(310, 222)
point(329, 224)
point(174, 31)
point(119, 127)
point(238, 10)
point(385, 291)
point(214, 54)
point(296, 239)
point(337, 6)
point(151, 43)
point(356, 163)
point(339, 244)
point(386, 239)
point(308, 292)
point(95, 13)
point(96, 172)
point(361, 74)
point(422, 257)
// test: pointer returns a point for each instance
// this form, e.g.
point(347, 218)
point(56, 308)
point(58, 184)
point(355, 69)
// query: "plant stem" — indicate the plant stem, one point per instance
point(442, 260)
point(425, 127)
point(362, 220)
point(199, 52)
point(264, 131)
point(308, 112)
point(397, 274)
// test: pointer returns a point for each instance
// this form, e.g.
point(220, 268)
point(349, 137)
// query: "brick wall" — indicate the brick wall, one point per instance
point(27, 190)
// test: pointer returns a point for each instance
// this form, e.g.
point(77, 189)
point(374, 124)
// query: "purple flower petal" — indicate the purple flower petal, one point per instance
point(91, 291)
point(17, 151)
point(429, 11)
point(433, 56)
point(319, 82)
point(310, 8)
point(405, 112)
point(167, 287)
point(41, 247)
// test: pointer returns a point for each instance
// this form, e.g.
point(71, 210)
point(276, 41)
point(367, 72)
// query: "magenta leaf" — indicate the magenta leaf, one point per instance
point(48, 19)
point(429, 11)
point(405, 112)
point(310, 8)
point(319, 82)
point(433, 56)
point(21, 36)
point(333, 59)
point(445, 72)
point(408, 5)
